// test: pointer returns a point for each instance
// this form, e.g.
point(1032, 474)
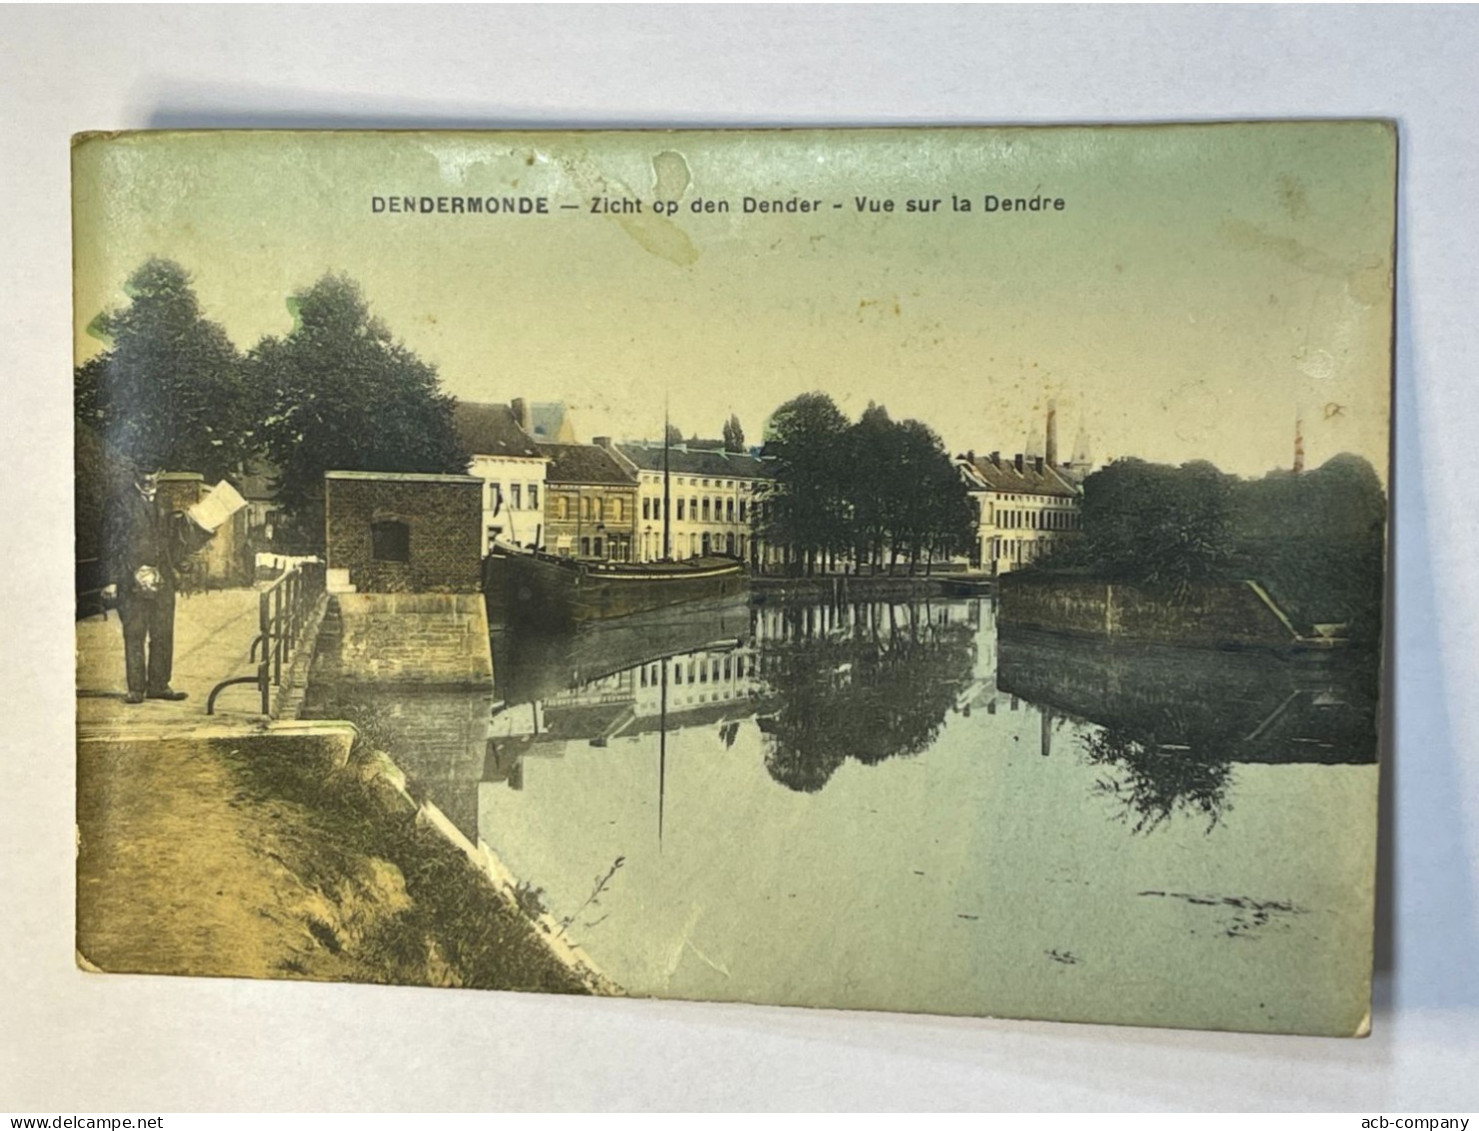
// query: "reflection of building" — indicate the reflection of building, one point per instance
point(511, 466)
point(1024, 507)
point(710, 496)
point(591, 503)
point(714, 686)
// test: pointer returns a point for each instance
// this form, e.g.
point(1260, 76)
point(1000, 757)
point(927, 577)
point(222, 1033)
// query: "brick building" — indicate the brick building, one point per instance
point(404, 533)
point(590, 504)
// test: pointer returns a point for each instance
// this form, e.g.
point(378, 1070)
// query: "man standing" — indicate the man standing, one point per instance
point(143, 543)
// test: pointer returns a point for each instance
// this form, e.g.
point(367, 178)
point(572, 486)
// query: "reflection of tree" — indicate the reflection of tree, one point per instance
point(1163, 762)
point(878, 685)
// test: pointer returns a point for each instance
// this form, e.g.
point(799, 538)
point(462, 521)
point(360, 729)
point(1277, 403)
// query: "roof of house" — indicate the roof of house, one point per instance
point(685, 460)
point(984, 474)
point(492, 430)
point(404, 477)
point(584, 463)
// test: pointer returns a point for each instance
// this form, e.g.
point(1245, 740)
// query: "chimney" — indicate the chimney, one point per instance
point(1018, 462)
point(602, 442)
point(520, 409)
point(970, 457)
point(995, 458)
point(1052, 452)
point(1037, 463)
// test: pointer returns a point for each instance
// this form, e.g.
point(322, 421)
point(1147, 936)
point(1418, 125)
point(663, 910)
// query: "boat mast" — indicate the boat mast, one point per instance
point(667, 538)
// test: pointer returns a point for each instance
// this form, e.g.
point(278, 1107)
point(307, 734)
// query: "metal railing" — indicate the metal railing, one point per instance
point(284, 609)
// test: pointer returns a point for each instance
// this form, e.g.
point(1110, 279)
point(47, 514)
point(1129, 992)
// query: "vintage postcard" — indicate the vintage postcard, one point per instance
point(928, 570)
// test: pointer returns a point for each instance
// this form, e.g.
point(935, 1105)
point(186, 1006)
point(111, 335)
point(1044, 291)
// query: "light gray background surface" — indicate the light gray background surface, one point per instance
point(73, 1042)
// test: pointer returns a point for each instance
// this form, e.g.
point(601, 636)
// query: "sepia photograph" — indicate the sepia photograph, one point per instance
point(922, 570)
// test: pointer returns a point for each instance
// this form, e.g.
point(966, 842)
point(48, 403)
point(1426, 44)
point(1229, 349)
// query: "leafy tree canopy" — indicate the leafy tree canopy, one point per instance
point(168, 392)
point(344, 395)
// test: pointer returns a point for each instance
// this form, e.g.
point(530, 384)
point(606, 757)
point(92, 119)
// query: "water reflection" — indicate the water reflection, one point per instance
point(896, 788)
point(1169, 724)
point(824, 683)
point(867, 682)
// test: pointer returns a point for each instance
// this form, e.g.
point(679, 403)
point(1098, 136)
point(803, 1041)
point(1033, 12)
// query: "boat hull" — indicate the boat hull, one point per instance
point(531, 591)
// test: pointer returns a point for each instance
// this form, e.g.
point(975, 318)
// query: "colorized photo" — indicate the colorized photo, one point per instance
point(925, 570)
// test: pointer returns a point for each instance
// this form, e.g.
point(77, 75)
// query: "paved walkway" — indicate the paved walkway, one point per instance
point(213, 639)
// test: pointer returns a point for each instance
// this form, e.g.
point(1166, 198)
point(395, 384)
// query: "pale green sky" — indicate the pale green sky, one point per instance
point(1201, 284)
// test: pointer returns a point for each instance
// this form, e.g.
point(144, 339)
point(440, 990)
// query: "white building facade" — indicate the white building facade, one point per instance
point(513, 469)
point(1025, 507)
point(710, 496)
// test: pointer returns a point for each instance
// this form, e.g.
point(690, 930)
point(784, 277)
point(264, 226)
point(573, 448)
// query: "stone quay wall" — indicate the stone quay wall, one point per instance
point(1218, 614)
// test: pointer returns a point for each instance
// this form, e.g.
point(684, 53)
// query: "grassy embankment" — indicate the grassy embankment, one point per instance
point(254, 858)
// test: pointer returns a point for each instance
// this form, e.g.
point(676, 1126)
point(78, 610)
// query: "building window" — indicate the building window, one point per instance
point(742, 510)
point(706, 506)
point(585, 547)
point(646, 508)
point(728, 510)
point(493, 496)
point(680, 510)
point(615, 510)
point(534, 496)
point(390, 541)
point(596, 548)
point(515, 497)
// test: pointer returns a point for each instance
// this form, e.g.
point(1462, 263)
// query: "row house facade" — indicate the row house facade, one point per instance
point(513, 469)
point(590, 509)
point(711, 495)
point(1025, 506)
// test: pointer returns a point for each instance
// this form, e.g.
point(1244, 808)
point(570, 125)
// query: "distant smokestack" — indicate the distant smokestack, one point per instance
point(1052, 452)
point(1298, 442)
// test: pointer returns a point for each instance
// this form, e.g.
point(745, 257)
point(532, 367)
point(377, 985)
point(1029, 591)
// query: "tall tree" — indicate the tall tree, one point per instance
point(168, 392)
point(936, 518)
point(734, 435)
point(1166, 526)
point(872, 487)
point(346, 396)
point(806, 506)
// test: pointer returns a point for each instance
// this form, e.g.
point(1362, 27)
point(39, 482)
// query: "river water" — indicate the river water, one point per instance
point(893, 806)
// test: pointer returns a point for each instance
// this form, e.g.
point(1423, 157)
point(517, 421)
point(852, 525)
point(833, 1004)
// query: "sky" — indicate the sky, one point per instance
point(1201, 287)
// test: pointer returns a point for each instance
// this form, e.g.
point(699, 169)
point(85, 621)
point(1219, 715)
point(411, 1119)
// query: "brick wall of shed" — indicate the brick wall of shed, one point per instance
point(446, 542)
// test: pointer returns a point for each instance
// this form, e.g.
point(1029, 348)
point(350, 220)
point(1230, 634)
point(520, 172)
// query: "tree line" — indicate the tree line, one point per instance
point(1315, 540)
point(869, 493)
point(337, 391)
